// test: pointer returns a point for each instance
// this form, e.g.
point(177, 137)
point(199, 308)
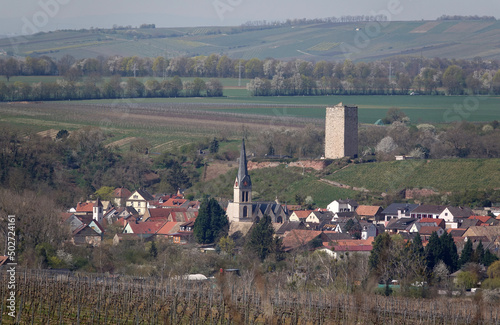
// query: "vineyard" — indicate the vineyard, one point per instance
point(45, 297)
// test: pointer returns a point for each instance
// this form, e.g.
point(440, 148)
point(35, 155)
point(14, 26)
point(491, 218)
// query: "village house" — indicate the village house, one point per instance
point(398, 211)
point(300, 215)
point(139, 201)
point(396, 226)
point(346, 205)
point(370, 213)
point(120, 196)
point(427, 211)
point(452, 214)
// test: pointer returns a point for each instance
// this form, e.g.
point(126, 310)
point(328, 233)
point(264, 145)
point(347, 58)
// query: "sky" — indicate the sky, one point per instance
point(30, 16)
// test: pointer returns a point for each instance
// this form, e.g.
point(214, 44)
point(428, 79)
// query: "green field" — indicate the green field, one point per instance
point(441, 175)
point(446, 39)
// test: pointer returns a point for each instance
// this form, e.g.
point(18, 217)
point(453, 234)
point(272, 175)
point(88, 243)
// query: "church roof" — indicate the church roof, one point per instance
point(243, 179)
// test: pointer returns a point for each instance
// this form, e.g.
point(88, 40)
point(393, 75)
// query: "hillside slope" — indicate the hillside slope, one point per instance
point(356, 41)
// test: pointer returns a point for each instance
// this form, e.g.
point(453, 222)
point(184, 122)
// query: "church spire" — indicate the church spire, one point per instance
point(243, 179)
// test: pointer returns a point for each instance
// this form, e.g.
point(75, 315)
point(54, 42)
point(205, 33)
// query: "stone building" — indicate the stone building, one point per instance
point(243, 208)
point(341, 131)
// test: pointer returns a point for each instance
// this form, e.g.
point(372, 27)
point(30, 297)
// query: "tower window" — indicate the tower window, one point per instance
point(245, 212)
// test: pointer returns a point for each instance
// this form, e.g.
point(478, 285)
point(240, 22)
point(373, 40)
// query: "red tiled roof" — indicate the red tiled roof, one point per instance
point(302, 214)
point(146, 227)
point(65, 216)
point(121, 192)
point(169, 227)
point(297, 238)
point(483, 219)
point(174, 202)
point(84, 207)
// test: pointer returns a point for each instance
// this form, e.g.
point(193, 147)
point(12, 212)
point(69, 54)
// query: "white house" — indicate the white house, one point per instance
point(347, 205)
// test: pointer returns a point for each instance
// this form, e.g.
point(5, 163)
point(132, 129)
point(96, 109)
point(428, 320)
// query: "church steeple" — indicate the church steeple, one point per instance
point(243, 187)
point(243, 179)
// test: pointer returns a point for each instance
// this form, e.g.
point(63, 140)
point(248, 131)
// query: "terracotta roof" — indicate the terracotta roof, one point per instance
point(121, 192)
point(174, 202)
point(302, 214)
point(368, 210)
point(146, 227)
point(169, 228)
point(65, 216)
point(297, 238)
point(84, 207)
point(483, 219)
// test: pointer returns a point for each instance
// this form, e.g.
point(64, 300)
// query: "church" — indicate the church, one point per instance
point(243, 208)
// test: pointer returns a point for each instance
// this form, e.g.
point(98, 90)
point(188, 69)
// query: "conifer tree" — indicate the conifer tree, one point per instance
point(466, 254)
point(211, 223)
point(261, 241)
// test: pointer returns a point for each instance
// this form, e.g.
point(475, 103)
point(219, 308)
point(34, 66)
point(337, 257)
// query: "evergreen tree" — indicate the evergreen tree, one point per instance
point(261, 241)
point(433, 251)
point(489, 258)
point(211, 223)
point(479, 253)
point(214, 145)
point(449, 253)
point(466, 255)
point(380, 252)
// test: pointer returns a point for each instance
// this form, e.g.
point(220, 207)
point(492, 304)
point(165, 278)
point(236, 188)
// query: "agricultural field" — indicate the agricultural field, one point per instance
point(46, 297)
point(320, 41)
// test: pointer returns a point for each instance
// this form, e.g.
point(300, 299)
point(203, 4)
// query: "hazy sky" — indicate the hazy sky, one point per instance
point(26, 16)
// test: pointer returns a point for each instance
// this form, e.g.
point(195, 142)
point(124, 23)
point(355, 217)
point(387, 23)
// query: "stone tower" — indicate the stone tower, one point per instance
point(341, 131)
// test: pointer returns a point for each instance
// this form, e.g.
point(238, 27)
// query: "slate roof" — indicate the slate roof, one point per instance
point(429, 209)
point(393, 208)
point(438, 222)
point(460, 212)
point(289, 226)
point(400, 224)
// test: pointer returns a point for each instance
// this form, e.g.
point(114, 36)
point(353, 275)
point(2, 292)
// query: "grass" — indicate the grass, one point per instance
point(444, 175)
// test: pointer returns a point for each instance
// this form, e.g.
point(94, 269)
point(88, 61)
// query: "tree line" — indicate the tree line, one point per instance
point(94, 87)
point(399, 75)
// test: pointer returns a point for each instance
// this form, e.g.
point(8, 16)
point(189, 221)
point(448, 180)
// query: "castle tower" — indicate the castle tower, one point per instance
point(341, 131)
point(243, 187)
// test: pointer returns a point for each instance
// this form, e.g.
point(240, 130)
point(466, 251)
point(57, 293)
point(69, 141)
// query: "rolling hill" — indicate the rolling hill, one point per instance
point(358, 41)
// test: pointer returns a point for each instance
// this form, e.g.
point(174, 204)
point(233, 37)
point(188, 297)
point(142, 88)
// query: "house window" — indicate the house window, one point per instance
point(135, 197)
point(177, 240)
